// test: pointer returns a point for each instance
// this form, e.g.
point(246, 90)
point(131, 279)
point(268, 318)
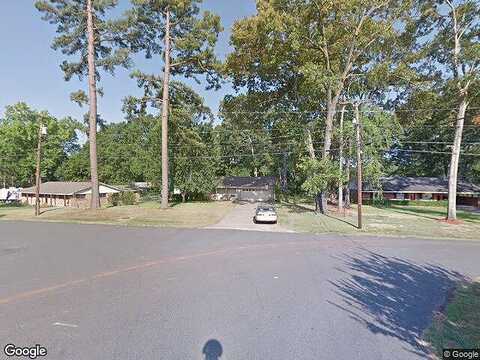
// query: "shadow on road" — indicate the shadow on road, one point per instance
point(392, 296)
point(212, 350)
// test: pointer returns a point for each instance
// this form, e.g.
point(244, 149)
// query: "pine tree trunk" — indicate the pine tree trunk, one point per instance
point(165, 110)
point(92, 90)
point(453, 173)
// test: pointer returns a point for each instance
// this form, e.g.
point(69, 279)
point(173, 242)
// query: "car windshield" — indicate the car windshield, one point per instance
point(265, 208)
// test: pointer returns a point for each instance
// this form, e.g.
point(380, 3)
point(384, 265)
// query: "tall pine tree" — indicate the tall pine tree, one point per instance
point(185, 39)
point(98, 42)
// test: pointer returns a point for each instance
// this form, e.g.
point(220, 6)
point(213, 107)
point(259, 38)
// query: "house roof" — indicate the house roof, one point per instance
point(421, 185)
point(247, 181)
point(61, 188)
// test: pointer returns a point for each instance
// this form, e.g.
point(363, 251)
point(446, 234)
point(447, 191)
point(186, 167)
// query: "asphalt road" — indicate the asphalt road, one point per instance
point(100, 293)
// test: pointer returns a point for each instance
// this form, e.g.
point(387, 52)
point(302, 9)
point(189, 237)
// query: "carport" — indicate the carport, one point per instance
point(246, 188)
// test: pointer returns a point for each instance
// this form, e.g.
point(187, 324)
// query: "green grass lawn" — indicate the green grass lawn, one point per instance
point(458, 325)
point(420, 221)
point(196, 214)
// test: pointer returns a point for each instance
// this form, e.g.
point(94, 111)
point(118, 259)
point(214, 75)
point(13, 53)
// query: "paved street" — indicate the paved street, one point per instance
point(105, 293)
point(241, 218)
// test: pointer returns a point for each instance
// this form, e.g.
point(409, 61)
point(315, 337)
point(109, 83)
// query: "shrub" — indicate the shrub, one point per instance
point(128, 198)
point(389, 203)
point(12, 204)
point(114, 199)
point(436, 203)
point(151, 195)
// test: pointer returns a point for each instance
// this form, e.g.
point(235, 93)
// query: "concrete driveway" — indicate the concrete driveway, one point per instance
point(241, 218)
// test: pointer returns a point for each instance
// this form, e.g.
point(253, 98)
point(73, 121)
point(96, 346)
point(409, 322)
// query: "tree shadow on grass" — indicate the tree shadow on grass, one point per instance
point(301, 209)
point(392, 296)
point(296, 208)
point(342, 220)
point(413, 213)
point(47, 210)
point(435, 214)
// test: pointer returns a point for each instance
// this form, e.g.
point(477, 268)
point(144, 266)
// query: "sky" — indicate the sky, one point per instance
point(30, 72)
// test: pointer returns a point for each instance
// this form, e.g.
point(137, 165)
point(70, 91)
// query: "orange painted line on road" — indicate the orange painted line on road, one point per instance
point(150, 264)
point(32, 293)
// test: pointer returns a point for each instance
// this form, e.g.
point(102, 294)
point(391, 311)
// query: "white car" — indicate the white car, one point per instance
point(265, 213)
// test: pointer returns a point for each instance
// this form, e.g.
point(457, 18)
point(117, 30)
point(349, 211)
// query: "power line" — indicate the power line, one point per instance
point(430, 152)
point(437, 142)
point(19, 157)
point(364, 111)
point(247, 155)
point(442, 126)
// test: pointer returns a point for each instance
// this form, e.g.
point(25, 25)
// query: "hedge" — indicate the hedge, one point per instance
point(389, 203)
point(128, 198)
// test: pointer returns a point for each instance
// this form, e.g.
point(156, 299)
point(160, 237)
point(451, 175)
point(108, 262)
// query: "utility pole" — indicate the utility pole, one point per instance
point(358, 125)
point(42, 130)
point(255, 169)
point(349, 165)
point(284, 172)
point(340, 185)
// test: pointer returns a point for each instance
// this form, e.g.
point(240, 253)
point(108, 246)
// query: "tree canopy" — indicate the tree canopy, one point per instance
point(18, 143)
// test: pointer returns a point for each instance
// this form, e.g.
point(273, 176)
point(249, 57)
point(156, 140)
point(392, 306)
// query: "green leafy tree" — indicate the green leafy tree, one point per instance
point(452, 55)
point(309, 51)
point(381, 132)
point(175, 30)
point(193, 155)
point(99, 42)
point(18, 144)
point(244, 137)
point(321, 175)
point(127, 153)
point(195, 163)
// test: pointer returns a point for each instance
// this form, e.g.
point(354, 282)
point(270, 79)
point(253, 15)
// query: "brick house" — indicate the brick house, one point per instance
point(66, 194)
point(421, 188)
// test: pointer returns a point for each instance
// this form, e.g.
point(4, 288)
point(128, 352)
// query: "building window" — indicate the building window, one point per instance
point(400, 196)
